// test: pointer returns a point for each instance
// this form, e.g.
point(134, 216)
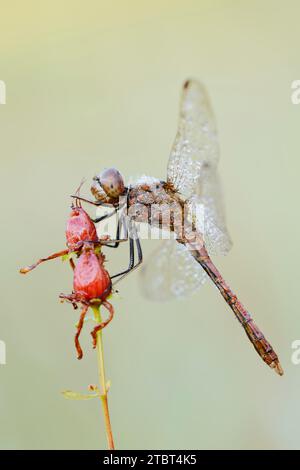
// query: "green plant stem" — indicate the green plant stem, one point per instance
point(102, 380)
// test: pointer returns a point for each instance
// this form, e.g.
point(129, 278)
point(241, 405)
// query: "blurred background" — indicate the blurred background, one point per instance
point(95, 84)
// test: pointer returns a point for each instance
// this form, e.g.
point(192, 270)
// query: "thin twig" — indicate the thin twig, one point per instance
point(102, 379)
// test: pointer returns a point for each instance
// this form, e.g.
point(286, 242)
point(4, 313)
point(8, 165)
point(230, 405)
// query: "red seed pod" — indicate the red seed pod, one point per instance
point(80, 228)
point(91, 280)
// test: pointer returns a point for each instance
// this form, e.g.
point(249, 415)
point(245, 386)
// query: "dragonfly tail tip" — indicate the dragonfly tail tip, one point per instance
point(277, 367)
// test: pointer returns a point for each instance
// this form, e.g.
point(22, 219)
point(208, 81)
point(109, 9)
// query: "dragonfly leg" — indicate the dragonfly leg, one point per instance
point(131, 266)
point(103, 324)
point(115, 243)
point(94, 203)
point(42, 260)
point(117, 206)
point(105, 216)
point(121, 224)
point(79, 328)
point(131, 260)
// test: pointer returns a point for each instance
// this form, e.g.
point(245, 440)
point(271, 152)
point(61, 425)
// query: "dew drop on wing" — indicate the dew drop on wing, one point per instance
point(170, 272)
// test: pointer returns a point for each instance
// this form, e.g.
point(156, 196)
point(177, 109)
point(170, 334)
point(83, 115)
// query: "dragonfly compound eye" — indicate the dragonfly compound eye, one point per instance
point(112, 182)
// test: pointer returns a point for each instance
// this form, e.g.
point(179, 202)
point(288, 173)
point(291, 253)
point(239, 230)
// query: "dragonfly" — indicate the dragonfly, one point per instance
point(182, 264)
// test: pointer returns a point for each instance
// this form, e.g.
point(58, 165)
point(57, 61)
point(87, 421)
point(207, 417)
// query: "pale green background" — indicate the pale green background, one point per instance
point(92, 84)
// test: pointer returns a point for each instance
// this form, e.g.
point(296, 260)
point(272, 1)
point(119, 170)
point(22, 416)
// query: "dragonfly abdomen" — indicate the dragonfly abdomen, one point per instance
point(261, 345)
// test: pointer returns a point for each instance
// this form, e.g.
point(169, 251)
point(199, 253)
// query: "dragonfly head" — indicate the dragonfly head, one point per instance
point(111, 182)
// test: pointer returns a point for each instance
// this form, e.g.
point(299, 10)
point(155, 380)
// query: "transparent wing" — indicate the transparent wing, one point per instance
point(206, 208)
point(196, 143)
point(171, 272)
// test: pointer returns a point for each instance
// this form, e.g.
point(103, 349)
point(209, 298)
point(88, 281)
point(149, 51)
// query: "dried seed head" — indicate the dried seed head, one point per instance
point(91, 280)
point(80, 228)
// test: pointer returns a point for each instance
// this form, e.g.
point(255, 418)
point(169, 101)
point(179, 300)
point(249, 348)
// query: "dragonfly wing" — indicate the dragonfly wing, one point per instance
point(196, 143)
point(171, 272)
point(207, 204)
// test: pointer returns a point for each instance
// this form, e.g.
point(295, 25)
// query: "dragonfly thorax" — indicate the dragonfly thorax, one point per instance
point(148, 190)
point(150, 201)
